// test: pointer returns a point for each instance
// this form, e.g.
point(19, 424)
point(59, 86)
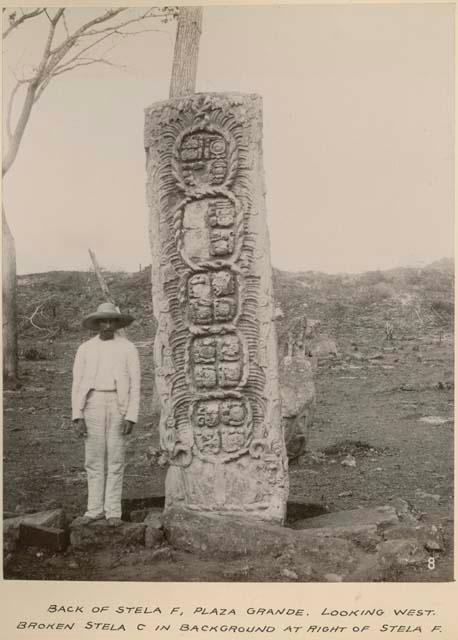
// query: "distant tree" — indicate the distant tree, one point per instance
point(444, 315)
point(66, 45)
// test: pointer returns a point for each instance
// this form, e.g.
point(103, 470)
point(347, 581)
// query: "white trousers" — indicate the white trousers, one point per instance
point(104, 441)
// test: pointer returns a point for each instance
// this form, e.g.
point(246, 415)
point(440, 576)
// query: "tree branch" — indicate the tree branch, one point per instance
point(53, 63)
point(84, 62)
point(81, 52)
point(10, 110)
point(148, 14)
point(37, 309)
point(25, 16)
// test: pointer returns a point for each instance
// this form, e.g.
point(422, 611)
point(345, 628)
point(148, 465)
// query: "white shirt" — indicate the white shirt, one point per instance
point(110, 353)
point(110, 364)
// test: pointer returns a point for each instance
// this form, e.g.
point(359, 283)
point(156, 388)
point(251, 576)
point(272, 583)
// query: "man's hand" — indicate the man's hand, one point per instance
point(127, 427)
point(81, 428)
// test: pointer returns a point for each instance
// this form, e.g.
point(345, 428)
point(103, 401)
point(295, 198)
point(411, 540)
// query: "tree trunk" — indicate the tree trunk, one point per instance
point(10, 363)
point(184, 70)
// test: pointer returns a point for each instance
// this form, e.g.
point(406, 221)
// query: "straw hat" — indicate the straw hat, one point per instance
point(107, 311)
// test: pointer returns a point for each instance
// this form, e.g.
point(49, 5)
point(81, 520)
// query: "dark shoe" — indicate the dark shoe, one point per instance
point(84, 521)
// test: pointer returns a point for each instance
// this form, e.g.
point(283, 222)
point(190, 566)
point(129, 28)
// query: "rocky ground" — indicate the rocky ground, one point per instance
point(383, 430)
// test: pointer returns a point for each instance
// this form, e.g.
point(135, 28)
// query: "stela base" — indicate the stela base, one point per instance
point(365, 545)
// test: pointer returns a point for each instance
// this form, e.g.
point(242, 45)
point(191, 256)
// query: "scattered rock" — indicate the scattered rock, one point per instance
point(405, 511)
point(349, 461)
point(376, 356)
point(291, 575)
point(237, 573)
point(423, 495)
point(424, 534)
point(333, 577)
point(434, 545)
point(410, 387)
point(390, 558)
point(154, 537)
point(401, 553)
point(163, 553)
point(448, 385)
point(154, 533)
point(435, 420)
point(345, 494)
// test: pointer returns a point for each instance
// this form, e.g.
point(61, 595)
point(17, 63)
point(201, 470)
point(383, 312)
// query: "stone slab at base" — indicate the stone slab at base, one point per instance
point(99, 535)
point(229, 538)
point(385, 515)
point(348, 548)
point(43, 537)
point(54, 518)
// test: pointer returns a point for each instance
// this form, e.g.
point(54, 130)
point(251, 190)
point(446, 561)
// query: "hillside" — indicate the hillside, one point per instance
point(351, 308)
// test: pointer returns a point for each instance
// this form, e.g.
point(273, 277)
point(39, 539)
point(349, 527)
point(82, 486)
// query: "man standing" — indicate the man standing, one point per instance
point(105, 402)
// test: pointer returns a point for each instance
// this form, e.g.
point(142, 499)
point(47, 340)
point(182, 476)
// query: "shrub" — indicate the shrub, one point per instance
point(33, 354)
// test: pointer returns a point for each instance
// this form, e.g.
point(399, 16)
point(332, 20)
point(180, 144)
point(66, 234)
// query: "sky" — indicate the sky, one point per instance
point(358, 137)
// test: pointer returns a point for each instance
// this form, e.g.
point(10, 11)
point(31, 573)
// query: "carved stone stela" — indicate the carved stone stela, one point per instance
point(215, 349)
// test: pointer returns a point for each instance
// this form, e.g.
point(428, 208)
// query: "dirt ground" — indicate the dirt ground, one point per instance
point(368, 407)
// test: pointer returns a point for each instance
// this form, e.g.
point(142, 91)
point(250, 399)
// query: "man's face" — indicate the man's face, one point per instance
point(107, 328)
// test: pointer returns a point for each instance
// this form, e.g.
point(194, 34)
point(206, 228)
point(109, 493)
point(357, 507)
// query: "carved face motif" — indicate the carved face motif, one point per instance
point(200, 313)
point(229, 348)
point(221, 242)
point(208, 414)
point(221, 213)
point(205, 376)
point(199, 287)
point(228, 418)
point(232, 439)
point(223, 283)
point(204, 350)
point(229, 373)
point(210, 298)
point(216, 361)
point(224, 309)
point(208, 440)
point(232, 412)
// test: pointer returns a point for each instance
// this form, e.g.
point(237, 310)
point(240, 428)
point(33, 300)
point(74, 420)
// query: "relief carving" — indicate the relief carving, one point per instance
point(222, 428)
point(217, 366)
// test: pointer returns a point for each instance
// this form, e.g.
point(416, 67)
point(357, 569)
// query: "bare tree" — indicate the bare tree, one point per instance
point(65, 47)
point(9, 328)
point(184, 70)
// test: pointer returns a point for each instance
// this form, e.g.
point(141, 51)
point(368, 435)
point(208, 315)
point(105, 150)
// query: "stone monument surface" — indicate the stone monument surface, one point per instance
point(215, 351)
